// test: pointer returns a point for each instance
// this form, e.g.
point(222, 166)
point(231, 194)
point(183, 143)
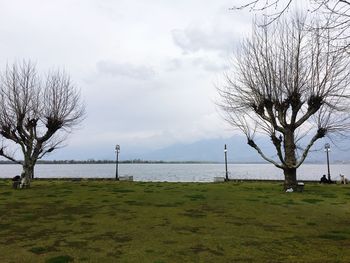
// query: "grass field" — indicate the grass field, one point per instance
point(107, 221)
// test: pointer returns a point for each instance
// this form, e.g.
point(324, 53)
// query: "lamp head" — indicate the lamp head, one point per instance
point(327, 147)
point(117, 148)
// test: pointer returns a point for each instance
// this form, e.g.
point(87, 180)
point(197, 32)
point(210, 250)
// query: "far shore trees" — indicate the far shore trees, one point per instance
point(36, 113)
point(291, 84)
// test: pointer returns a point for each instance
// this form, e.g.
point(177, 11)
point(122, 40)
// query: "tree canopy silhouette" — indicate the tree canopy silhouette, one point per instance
point(37, 113)
point(290, 84)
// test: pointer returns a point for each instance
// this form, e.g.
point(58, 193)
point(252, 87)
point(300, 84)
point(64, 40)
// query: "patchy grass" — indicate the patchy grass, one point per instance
point(107, 221)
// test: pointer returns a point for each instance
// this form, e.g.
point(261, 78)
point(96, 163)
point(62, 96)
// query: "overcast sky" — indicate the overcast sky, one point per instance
point(147, 70)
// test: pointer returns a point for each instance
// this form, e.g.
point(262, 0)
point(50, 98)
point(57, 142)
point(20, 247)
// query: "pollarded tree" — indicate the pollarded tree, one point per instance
point(291, 84)
point(36, 113)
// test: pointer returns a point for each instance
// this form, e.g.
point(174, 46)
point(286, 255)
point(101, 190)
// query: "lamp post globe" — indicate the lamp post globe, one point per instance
point(327, 147)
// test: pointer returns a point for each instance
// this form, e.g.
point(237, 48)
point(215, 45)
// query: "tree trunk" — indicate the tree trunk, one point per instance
point(27, 174)
point(290, 178)
point(290, 172)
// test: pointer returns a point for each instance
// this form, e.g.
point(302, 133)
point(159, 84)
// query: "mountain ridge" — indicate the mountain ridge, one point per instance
point(212, 150)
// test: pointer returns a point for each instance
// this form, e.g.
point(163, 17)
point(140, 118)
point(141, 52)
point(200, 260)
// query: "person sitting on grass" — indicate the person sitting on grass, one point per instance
point(324, 180)
point(16, 182)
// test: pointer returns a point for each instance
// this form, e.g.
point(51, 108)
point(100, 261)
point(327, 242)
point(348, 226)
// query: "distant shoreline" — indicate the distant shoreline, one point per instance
point(78, 179)
point(153, 162)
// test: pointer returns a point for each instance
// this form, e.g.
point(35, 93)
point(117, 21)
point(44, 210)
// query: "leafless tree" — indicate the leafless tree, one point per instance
point(292, 85)
point(335, 13)
point(36, 113)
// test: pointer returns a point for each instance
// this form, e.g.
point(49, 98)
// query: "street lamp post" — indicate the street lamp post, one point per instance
point(117, 151)
point(327, 149)
point(225, 151)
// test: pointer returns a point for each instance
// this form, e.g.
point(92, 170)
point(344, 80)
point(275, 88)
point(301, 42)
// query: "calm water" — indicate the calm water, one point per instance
point(175, 172)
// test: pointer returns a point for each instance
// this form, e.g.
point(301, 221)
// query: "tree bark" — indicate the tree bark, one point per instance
point(290, 178)
point(27, 173)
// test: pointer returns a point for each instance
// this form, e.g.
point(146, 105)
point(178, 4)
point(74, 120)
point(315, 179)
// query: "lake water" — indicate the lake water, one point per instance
point(175, 172)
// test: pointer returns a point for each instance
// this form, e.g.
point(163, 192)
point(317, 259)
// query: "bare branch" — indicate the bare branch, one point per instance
point(335, 15)
point(8, 156)
point(256, 147)
point(320, 134)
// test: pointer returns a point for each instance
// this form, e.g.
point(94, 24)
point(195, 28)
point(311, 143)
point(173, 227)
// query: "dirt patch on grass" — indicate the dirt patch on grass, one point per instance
point(197, 249)
point(116, 237)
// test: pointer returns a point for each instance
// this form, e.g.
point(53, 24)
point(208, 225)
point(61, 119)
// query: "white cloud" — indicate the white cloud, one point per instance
point(210, 64)
point(193, 39)
point(125, 69)
point(145, 68)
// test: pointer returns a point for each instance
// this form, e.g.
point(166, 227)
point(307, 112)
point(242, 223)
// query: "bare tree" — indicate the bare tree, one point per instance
point(292, 85)
point(36, 113)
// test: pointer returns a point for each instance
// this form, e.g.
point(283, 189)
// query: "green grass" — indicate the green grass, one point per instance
point(107, 221)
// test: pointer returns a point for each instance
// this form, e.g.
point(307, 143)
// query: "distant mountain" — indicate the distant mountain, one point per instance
point(212, 150)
